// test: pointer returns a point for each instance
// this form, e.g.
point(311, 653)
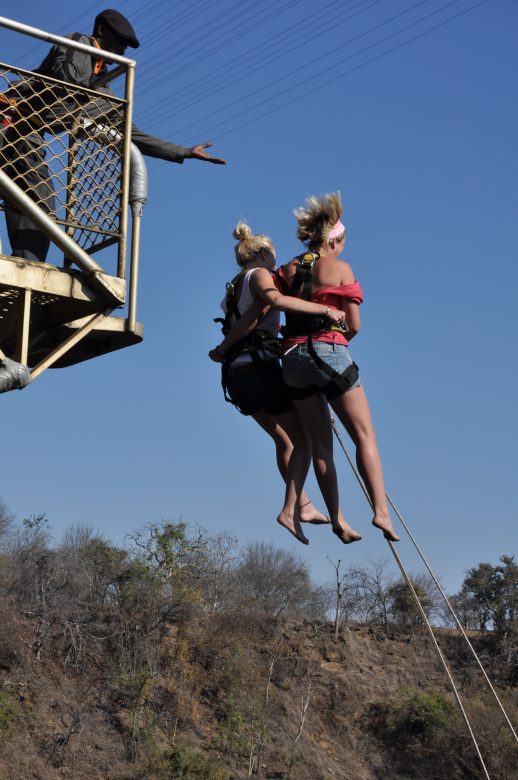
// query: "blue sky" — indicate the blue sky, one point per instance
point(422, 144)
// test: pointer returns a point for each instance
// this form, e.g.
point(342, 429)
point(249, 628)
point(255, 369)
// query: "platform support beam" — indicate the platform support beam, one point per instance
point(72, 340)
point(24, 318)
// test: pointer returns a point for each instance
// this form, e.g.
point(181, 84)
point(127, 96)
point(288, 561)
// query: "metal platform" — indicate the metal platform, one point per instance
point(42, 307)
point(50, 316)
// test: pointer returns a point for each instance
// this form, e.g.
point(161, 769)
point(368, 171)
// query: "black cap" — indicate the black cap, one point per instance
point(119, 25)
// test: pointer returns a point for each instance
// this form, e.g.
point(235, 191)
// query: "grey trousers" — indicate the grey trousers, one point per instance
point(22, 157)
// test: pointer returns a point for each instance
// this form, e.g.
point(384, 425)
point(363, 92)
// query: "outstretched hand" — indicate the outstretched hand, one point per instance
point(198, 153)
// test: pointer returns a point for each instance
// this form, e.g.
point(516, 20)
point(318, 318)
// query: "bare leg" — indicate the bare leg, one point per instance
point(284, 430)
point(296, 432)
point(293, 459)
point(352, 409)
point(315, 414)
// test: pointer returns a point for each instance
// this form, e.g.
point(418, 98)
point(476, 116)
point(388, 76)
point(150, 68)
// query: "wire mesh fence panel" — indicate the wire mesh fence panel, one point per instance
point(63, 145)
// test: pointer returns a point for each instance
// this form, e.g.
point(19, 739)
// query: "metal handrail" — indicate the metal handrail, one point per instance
point(58, 40)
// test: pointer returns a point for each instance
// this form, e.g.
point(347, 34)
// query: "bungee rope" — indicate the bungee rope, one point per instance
point(455, 616)
point(422, 611)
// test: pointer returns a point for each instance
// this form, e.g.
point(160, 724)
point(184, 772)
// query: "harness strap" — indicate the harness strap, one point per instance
point(304, 275)
point(310, 325)
point(256, 341)
point(343, 381)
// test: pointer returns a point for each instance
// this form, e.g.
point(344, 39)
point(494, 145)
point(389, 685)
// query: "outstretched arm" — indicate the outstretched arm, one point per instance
point(151, 146)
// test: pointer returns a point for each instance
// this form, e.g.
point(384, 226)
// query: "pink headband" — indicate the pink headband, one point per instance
point(336, 230)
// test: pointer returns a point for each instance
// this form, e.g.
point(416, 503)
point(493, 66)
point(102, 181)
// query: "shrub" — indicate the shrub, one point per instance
point(187, 764)
point(421, 715)
point(7, 717)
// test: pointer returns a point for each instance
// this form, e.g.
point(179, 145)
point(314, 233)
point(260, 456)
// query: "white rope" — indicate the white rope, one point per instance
point(436, 581)
point(440, 654)
point(421, 609)
point(455, 616)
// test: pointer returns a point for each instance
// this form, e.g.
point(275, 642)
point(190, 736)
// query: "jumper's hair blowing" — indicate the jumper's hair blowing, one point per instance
point(316, 219)
point(249, 244)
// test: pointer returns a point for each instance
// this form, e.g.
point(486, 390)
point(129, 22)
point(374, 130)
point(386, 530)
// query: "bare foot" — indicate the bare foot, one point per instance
point(385, 525)
point(308, 514)
point(293, 526)
point(345, 533)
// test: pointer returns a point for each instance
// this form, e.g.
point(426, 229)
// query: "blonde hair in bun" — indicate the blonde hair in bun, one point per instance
point(317, 218)
point(249, 244)
point(242, 231)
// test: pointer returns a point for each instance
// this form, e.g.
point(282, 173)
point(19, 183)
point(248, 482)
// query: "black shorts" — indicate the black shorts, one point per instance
point(258, 387)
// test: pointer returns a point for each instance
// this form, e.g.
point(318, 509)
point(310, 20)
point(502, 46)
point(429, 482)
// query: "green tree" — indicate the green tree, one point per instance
point(493, 593)
point(403, 606)
point(276, 582)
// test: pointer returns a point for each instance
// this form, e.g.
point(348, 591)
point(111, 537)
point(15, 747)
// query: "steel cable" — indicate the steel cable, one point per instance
point(343, 75)
point(212, 25)
point(321, 72)
point(244, 56)
point(193, 100)
point(189, 62)
point(336, 78)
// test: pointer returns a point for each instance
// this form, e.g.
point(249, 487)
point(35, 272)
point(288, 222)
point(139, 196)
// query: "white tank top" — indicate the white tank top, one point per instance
point(270, 323)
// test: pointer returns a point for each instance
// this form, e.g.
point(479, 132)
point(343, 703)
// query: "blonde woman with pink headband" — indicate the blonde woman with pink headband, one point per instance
point(317, 366)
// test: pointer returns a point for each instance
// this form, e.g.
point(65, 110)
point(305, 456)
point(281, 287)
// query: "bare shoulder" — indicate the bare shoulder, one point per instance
point(346, 273)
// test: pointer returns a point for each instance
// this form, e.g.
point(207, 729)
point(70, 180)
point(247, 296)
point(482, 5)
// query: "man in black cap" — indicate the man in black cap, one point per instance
point(123, 32)
point(26, 157)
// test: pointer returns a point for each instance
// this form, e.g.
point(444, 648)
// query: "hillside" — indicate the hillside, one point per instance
point(227, 695)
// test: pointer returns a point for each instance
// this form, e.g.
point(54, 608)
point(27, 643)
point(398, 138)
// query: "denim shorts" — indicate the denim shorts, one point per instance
point(304, 378)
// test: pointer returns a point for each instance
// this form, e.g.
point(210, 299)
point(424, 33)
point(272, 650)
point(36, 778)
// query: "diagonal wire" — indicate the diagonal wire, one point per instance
point(340, 76)
point(188, 102)
point(304, 81)
point(278, 9)
point(348, 72)
point(263, 46)
point(194, 37)
point(151, 63)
